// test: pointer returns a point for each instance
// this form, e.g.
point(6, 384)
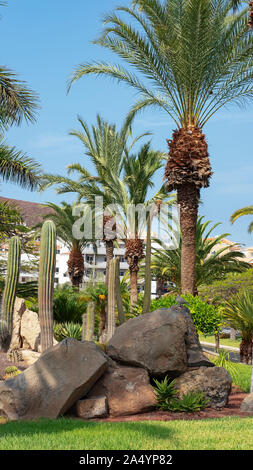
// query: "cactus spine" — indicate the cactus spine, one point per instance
point(46, 282)
point(88, 323)
point(13, 269)
point(111, 307)
point(148, 278)
point(121, 313)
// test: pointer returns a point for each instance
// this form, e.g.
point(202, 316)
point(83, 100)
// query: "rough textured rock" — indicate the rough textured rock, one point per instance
point(19, 309)
point(154, 341)
point(195, 356)
point(127, 389)
point(29, 357)
point(30, 330)
point(247, 404)
point(92, 408)
point(214, 382)
point(26, 327)
point(61, 376)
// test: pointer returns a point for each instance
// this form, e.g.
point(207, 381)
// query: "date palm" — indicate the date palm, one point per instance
point(16, 167)
point(192, 57)
point(106, 147)
point(240, 212)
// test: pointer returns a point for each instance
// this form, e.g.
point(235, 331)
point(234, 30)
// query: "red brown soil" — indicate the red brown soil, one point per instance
point(232, 409)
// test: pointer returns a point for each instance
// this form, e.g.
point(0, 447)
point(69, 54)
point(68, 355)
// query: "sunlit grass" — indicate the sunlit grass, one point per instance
point(69, 434)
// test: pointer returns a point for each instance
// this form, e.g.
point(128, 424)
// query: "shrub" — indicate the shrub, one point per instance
point(207, 318)
point(164, 392)
point(68, 305)
point(223, 361)
point(67, 330)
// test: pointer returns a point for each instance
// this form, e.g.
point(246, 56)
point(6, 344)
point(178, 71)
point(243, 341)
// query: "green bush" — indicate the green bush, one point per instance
point(165, 391)
point(67, 330)
point(68, 305)
point(207, 318)
point(218, 292)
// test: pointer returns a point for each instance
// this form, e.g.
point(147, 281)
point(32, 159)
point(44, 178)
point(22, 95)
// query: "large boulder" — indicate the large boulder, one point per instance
point(154, 341)
point(127, 390)
point(247, 404)
point(61, 376)
point(214, 382)
point(163, 342)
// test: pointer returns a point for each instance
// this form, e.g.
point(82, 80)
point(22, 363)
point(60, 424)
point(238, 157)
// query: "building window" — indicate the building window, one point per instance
point(121, 273)
point(58, 252)
point(89, 259)
point(57, 270)
point(56, 280)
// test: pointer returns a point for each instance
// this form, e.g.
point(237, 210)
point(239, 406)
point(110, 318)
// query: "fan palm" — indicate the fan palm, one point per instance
point(211, 264)
point(238, 313)
point(197, 57)
point(240, 212)
point(64, 220)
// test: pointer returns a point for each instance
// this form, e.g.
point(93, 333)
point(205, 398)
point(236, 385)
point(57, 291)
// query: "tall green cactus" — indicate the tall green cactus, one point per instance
point(13, 269)
point(148, 277)
point(120, 308)
point(46, 282)
point(111, 306)
point(88, 323)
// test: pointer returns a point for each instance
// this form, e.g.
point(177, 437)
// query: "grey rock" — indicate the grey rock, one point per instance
point(92, 408)
point(61, 376)
point(154, 341)
point(215, 383)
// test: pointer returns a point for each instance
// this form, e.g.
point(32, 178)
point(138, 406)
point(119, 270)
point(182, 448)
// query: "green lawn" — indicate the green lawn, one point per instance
point(69, 434)
point(223, 341)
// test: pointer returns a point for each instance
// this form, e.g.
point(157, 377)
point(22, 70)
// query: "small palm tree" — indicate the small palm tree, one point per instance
point(240, 212)
point(64, 220)
point(192, 57)
point(238, 312)
point(211, 265)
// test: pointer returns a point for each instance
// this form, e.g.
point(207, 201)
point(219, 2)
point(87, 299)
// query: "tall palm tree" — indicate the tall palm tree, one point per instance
point(240, 212)
point(196, 56)
point(211, 265)
point(106, 147)
point(64, 220)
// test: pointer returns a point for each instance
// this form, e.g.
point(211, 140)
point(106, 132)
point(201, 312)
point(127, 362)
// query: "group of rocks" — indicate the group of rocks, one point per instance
point(79, 378)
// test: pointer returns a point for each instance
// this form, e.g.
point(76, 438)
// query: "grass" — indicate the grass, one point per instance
point(68, 434)
point(223, 341)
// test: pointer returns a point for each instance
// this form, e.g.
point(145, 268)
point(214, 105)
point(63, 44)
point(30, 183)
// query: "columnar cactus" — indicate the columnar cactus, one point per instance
point(121, 313)
point(89, 323)
point(111, 307)
point(148, 277)
point(46, 282)
point(13, 269)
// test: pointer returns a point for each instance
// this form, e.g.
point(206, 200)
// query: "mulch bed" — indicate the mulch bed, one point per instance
point(232, 409)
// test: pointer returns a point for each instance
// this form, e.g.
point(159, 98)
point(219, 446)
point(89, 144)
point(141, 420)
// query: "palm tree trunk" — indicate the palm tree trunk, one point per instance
point(76, 267)
point(188, 200)
point(159, 287)
point(109, 249)
point(246, 351)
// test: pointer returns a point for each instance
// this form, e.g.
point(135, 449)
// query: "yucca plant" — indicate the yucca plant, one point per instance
point(192, 57)
point(191, 402)
point(67, 330)
point(165, 391)
point(223, 360)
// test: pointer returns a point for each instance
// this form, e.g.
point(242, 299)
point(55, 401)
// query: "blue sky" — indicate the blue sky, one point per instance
point(43, 41)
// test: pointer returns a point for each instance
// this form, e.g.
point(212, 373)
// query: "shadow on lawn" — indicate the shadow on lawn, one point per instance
point(153, 430)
